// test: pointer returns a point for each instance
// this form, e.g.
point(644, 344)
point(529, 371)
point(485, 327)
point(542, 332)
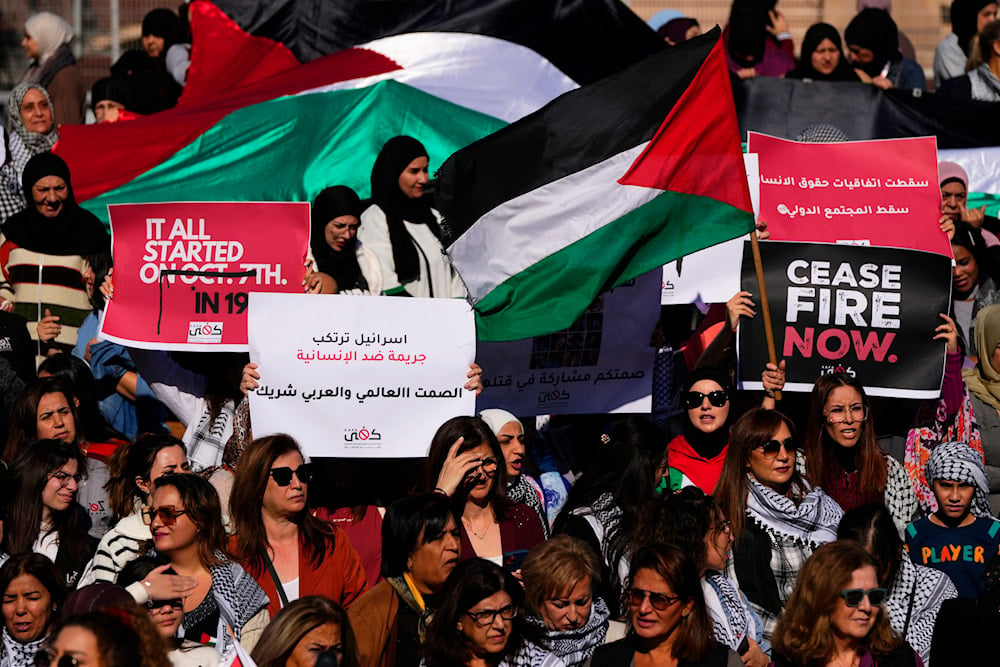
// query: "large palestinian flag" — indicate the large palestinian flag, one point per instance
point(601, 185)
point(252, 91)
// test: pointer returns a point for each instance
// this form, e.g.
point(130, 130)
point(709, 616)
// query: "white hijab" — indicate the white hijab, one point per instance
point(50, 31)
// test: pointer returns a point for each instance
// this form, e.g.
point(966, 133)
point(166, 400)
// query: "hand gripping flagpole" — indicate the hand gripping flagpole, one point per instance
point(765, 308)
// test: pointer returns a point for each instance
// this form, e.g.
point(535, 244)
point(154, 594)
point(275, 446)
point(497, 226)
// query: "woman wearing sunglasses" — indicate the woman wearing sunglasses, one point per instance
point(465, 462)
point(42, 513)
point(32, 592)
point(286, 549)
point(834, 616)
point(134, 471)
point(778, 518)
point(695, 523)
point(185, 519)
point(479, 622)
point(695, 457)
point(166, 616)
point(670, 625)
point(843, 456)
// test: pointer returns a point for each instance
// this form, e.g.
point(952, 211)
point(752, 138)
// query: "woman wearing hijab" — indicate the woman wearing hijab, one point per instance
point(343, 264)
point(873, 43)
point(44, 250)
point(32, 130)
point(53, 66)
point(968, 18)
point(402, 229)
point(823, 56)
point(983, 382)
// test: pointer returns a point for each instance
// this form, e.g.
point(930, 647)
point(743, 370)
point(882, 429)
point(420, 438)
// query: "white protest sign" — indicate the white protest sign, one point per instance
point(711, 275)
point(602, 363)
point(359, 376)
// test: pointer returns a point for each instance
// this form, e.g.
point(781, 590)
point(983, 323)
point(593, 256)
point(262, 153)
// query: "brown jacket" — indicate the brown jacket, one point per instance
point(68, 91)
point(373, 619)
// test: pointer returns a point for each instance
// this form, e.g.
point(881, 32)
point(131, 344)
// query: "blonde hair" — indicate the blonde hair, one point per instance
point(555, 566)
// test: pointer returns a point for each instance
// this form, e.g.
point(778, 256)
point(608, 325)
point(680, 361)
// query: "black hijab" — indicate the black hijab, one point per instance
point(75, 231)
point(964, 19)
point(874, 29)
point(814, 37)
point(331, 203)
point(397, 153)
point(709, 444)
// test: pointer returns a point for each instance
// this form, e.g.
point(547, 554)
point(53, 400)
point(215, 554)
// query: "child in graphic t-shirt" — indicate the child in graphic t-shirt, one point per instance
point(961, 536)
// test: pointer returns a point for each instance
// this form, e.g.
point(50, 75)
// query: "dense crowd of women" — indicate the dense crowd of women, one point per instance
point(722, 539)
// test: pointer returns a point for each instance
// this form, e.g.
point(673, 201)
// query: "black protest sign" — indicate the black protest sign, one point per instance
point(866, 311)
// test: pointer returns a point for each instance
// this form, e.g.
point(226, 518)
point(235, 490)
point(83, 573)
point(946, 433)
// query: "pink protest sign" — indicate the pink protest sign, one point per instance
point(184, 271)
point(879, 193)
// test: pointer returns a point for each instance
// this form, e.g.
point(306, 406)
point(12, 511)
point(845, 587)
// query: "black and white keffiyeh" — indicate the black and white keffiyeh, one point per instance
point(915, 597)
point(732, 619)
point(16, 654)
point(574, 647)
point(812, 522)
point(530, 655)
point(959, 462)
point(239, 598)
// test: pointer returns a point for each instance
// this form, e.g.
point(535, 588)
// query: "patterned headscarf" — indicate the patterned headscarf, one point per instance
point(32, 143)
point(958, 462)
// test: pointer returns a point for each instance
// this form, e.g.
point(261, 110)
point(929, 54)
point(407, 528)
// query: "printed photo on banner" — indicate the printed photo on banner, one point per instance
point(602, 363)
point(881, 193)
point(184, 271)
point(869, 312)
point(358, 376)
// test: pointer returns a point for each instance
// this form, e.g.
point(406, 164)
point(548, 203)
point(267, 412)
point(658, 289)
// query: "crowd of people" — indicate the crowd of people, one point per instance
point(143, 523)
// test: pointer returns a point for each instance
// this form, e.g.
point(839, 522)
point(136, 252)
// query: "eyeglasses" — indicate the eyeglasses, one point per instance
point(659, 601)
point(168, 514)
point(486, 617)
point(694, 399)
point(64, 477)
point(489, 466)
point(725, 527)
point(839, 414)
point(45, 659)
point(283, 476)
point(772, 448)
point(854, 596)
point(154, 605)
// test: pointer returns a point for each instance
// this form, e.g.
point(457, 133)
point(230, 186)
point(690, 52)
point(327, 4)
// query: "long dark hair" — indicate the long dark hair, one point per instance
point(475, 432)
point(316, 536)
point(683, 519)
point(872, 527)
point(694, 635)
point(750, 431)
point(625, 468)
point(30, 472)
point(79, 380)
point(24, 414)
point(470, 582)
point(821, 462)
point(201, 501)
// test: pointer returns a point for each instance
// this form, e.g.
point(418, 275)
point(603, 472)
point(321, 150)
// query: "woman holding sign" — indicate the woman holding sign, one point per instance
point(402, 229)
point(843, 456)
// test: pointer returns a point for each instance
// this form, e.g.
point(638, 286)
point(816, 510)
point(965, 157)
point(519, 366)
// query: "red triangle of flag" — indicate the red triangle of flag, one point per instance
point(697, 148)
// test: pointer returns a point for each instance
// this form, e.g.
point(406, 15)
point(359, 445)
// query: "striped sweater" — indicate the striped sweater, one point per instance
point(37, 282)
point(118, 547)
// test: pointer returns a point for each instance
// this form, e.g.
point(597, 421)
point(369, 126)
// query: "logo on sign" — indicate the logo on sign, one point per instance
point(204, 332)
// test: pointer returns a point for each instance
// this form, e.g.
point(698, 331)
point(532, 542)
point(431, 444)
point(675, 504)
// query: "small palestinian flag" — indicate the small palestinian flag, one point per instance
point(601, 185)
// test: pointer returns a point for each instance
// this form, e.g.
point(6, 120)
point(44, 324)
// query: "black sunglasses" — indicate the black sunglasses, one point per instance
point(283, 476)
point(854, 596)
point(772, 448)
point(694, 399)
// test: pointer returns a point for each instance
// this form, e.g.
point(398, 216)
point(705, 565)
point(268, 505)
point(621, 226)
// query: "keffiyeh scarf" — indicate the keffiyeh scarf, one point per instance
point(574, 647)
point(239, 598)
point(16, 654)
point(409, 596)
point(958, 462)
point(731, 621)
point(812, 522)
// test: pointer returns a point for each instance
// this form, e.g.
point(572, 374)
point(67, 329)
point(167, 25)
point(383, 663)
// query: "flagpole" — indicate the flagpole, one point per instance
point(765, 308)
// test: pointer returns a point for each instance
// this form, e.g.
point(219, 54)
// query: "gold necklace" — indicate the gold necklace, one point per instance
point(468, 524)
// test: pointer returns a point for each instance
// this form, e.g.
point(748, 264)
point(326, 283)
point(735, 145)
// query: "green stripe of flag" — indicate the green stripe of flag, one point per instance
point(290, 148)
point(524, 302)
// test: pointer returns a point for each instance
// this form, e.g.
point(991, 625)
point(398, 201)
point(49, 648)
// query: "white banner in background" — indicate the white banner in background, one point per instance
point(602, 363)
point(711, 275)
point(359, 376)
